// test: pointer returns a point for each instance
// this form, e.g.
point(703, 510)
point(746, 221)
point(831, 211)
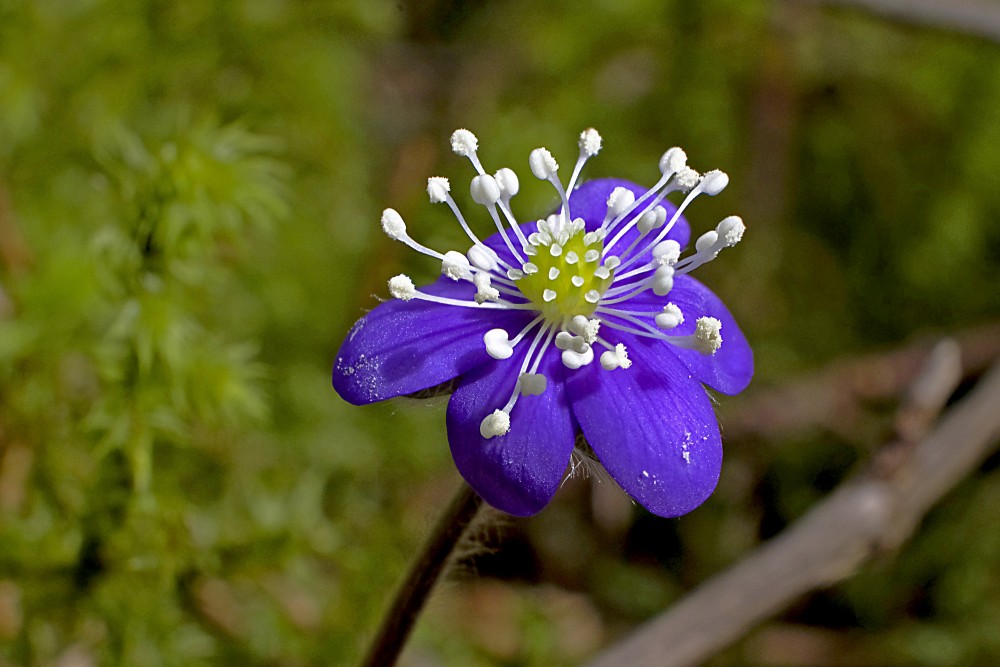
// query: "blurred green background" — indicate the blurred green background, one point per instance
point(189, 202)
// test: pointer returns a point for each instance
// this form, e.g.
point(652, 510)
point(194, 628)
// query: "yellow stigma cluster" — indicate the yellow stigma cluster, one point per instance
point(565, 279)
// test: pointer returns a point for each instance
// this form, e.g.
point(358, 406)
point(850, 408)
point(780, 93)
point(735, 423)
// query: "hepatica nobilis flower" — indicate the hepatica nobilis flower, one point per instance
point(585, 322)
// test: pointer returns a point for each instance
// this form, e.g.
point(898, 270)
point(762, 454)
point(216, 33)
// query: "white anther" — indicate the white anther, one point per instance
point(592, 296)
point(402, 287)
point(663, 280)
point(571, 257)
point(455, 265)
point(555, 249)
point(532, 384)
point(515, 274)
point(731, 230)
point(670, 318)
point(591, 256)
point(485, 190)
point(714, 182)
point(666, 253)
point(577, 281)
point(438, 188)
point(549, 296)
point(507, 180)
point(707, 335)
point(542, 164)
point(484, 291)
point(612, 262)
point(586, 329)
point(706, 241)
point(619, 200)
point(497, 423)
point(529, 268)
point(553, 273)
point(590, 142)
point(464, 143)
point(617, 358)
point(646, 222)
point(574, 360)
point(686, 179)
point(673, 161)
point(602, 273)
point(498, 344)
point(564, 340)
point(393, 225)
point(651, 219)
point(482, 258)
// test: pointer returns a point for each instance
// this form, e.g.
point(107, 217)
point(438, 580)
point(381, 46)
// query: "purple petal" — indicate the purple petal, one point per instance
point(518, 472)
point(730, 369)
point(652, 426)
point(404, 346)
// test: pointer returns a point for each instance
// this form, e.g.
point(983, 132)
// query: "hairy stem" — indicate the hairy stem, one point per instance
point(424, 572)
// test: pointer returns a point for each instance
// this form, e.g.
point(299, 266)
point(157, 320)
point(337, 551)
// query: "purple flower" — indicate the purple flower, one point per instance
point(515, 322)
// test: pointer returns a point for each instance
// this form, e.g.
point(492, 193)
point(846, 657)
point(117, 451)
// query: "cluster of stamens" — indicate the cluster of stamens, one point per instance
point(566, 275)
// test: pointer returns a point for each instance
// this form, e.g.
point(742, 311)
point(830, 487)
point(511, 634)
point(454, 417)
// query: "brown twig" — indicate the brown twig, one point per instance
point(834, 398)
point(424, 572)
point(973, 17)
point(871, 513)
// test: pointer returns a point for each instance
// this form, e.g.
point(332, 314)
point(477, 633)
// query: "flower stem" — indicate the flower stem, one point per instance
point(420, 580)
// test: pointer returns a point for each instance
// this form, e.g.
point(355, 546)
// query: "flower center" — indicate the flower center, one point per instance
point(565, 276)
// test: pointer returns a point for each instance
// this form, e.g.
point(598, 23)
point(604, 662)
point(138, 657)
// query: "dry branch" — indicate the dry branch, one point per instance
point(973, 17)
point(871, 513)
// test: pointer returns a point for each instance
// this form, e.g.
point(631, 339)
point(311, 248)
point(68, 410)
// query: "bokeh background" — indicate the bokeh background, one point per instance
point(189, 202)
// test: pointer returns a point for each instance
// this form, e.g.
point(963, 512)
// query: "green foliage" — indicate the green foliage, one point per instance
point(189, 196)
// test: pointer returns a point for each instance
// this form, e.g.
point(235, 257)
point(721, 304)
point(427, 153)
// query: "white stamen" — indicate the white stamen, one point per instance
point(602, 273)
point(542, 164)
point(438, 188)
point(619, 201)
point(590, 142)
point(564, 340)
point(731, 230)
point(707, 335)
point(532, 384)
point(548, 296)
point(574, 360)
point(507, 180)
point(577, 281)
point(663, 280)
point(555, 249)
point(666, 253)
point(455, 265)
point(670, 318)
point(673, 161)
point(686, 179)
point(612, 262)
point(494, 424)
point(529, 268)
point(485, 190)
point(714, 182)
point(553, 273)
point(617, 358)
point(482, 258)
point(402, 288)
point(484, 291)
point(393, 225)
point(706, 241)
point(498, 344)
point(515, 274)
point(586, 329)
point(464, 143)
point(592, 296)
